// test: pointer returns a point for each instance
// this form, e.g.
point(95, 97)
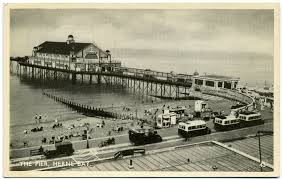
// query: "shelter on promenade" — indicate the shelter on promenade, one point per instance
point(215, 81)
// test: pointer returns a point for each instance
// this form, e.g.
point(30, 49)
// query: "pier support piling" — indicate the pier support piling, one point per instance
point(73, 78)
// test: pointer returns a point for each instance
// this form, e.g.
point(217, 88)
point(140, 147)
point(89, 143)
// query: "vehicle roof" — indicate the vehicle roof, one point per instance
point(193, 123)
point(138, 129)
point(226, 118)
point(63, 143)
point(250, 114)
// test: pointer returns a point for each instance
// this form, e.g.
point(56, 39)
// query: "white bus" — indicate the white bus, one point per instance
point(248, 118)
point(193, 128)
point(222, 123)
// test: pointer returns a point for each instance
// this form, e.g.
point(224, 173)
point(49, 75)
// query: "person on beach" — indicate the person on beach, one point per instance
point(25, 143)
point(39, 118)
point(36, 118)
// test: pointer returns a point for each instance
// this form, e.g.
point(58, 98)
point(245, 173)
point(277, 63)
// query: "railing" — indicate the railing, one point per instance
point(64, 64)
point(153, 73)
point(66, 61)
point(114, 67)
point(232, 95)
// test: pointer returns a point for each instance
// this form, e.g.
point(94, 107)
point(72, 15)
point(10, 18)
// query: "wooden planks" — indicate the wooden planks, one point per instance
point(202, 158)
point(250, 146)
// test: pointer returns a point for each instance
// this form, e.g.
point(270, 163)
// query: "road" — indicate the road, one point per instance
point(119, 139)
point(98, 154)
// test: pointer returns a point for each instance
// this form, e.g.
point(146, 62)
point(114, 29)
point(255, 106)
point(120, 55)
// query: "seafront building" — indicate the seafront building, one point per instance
point(73, 55)
point(215, 81)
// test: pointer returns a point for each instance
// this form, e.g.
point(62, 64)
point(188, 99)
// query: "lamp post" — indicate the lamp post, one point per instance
point(259, 133)
point(87, 138)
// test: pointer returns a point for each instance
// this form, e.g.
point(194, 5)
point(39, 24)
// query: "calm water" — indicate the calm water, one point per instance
point(27, 100)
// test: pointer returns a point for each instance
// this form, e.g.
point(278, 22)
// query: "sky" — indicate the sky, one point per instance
point(208, 30)
point(202, 32)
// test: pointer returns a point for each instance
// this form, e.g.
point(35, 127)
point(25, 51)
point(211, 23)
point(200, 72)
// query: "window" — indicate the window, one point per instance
point(182, 127)
point(227, 85)
point(198, 82)
point(219, 84)
point(210, 83)
point(189, 128)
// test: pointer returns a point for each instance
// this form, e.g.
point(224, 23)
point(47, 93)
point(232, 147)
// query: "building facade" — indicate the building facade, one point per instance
point(215, 81)
point(72, 55)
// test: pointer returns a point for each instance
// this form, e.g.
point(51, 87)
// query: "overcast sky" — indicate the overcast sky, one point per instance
point(239, 31)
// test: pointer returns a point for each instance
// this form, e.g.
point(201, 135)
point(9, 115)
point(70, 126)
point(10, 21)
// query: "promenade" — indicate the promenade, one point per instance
point(200, 157)
point(100, 154)
point(121, 137)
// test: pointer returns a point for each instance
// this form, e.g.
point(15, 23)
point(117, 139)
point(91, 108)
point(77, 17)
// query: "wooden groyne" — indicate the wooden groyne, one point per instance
point(82, 108)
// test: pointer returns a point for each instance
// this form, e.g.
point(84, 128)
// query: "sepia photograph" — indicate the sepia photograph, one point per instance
point(115, 90)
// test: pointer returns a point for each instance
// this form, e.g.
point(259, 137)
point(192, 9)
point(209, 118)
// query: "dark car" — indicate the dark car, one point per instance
point(62, 148)
point(143, 135)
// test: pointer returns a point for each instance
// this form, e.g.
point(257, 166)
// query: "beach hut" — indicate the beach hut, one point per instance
point(200, 106)
point(166, 120)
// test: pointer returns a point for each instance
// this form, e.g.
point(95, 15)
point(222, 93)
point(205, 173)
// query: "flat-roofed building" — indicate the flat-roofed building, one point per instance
point(215, 81)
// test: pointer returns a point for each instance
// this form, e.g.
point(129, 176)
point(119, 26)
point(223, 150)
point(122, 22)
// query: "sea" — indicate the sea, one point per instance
point(27, 100)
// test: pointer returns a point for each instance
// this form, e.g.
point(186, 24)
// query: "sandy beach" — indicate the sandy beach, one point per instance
point(18, 136)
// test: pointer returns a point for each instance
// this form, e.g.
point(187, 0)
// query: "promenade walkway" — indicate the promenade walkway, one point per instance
point(172, 141)
point(251, 145)
point(199, 157)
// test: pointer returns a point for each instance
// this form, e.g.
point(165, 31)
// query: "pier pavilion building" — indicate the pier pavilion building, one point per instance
point(215, 81)
point(73, 55)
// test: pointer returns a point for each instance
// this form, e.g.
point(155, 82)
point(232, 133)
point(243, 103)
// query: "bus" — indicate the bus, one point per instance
point(249, 118)
point(193, 128)
point(222, 123)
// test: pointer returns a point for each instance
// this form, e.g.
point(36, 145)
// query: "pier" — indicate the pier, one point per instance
point(138, 81)
point(141, 82)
